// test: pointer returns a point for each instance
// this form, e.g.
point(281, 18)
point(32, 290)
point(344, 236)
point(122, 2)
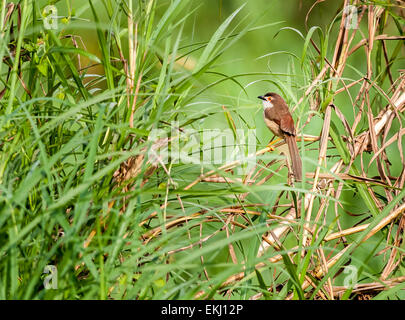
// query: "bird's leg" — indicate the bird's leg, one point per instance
point(271, 143)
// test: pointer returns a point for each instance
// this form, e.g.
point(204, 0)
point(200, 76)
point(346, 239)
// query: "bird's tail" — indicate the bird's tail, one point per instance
point(294, 156)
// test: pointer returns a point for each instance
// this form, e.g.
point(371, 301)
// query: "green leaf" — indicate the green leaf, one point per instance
point(339, 143)
point(262, 285)
point(74, 50)
point(210, 49)
point(306, 43)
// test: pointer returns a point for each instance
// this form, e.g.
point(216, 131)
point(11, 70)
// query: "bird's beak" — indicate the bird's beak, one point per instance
point(261, 97)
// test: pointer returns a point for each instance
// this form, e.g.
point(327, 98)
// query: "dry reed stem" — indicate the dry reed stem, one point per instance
point(321, 160)
point(373, 286)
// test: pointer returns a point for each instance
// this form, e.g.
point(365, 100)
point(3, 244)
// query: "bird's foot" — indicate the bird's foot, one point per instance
point(270, 145)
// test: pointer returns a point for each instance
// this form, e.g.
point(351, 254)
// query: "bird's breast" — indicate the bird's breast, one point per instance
point(273, 126)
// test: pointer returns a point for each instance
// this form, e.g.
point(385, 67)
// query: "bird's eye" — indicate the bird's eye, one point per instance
point(269, 98)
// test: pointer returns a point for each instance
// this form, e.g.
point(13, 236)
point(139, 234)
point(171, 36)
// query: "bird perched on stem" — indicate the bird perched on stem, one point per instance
point(279, 120)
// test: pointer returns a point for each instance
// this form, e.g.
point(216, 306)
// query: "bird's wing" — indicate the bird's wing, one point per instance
point(287, 124)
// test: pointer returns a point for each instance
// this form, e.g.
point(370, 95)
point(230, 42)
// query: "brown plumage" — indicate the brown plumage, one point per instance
point(278, 119)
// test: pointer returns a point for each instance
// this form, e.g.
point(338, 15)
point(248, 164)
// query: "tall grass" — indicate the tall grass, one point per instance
point(82, 191)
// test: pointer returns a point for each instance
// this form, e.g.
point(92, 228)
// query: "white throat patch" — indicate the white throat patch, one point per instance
point(267, 104)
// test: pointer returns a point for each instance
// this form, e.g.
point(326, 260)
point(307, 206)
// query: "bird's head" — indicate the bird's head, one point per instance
point(270, 99)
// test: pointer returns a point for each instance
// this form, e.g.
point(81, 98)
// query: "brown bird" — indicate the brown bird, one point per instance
point(279, 120)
